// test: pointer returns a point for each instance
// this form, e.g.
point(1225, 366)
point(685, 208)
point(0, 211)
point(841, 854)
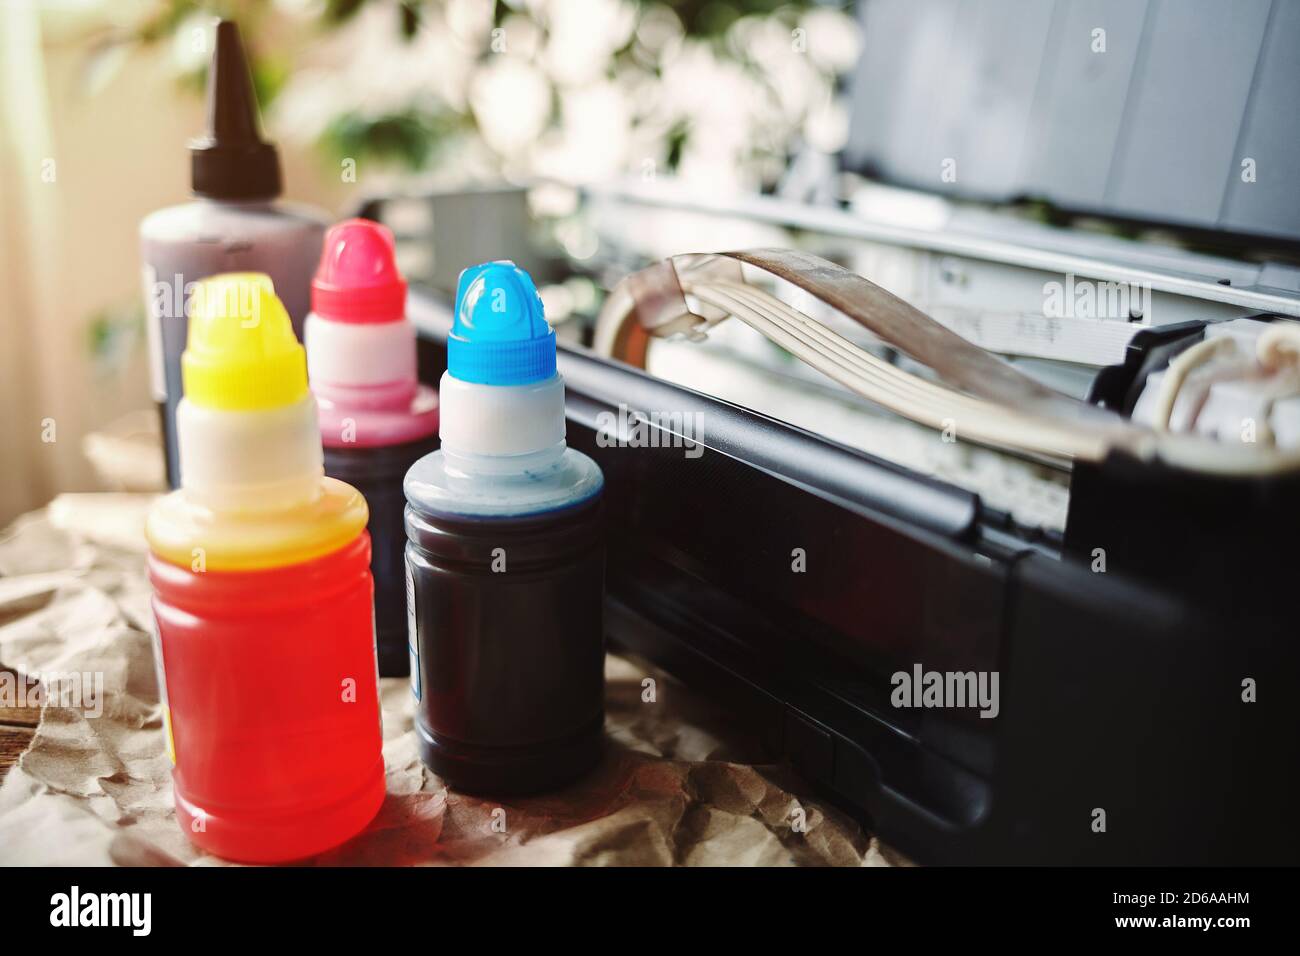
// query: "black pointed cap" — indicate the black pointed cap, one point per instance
point(232, 161)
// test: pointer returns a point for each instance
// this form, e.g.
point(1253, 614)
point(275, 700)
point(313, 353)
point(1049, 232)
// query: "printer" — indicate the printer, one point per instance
point(1076, 221)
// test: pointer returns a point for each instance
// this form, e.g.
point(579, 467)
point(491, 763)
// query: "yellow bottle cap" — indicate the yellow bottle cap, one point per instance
point(242, 354)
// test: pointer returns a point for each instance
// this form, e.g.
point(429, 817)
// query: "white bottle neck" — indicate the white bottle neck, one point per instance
point(461, 465)
point(501, 429)
point(265, 460)
point(358, 354)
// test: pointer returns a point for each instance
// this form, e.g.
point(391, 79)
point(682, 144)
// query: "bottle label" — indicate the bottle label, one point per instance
point(412, 645)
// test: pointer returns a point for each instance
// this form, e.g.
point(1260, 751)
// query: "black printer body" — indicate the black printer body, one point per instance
point(1145, 699)
point(1146, 656)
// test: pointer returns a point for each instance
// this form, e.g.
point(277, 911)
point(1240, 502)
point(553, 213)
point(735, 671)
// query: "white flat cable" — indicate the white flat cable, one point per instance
point(940, 407)
point(855, 355)
point(890, 387)
point(942, 404)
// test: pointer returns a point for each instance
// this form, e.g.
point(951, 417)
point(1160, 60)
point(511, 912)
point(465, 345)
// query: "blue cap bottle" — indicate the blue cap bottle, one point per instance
point(505, 557)
point(502, 408)
point(499, 335)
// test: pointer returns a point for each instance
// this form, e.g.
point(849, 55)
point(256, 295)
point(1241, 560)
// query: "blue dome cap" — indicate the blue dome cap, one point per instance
point(499, 335)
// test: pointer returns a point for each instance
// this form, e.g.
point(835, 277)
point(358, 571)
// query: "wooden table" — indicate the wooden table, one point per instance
point(17, 727)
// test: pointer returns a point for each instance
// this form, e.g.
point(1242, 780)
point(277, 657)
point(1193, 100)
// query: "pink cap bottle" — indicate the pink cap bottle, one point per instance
point(360, 346)
point(376, 418)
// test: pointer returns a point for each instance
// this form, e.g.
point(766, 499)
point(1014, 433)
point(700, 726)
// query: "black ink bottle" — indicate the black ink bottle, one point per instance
point(505, 558)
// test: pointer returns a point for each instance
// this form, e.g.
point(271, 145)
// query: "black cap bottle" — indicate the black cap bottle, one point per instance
point(234, 224)
point(232, 161)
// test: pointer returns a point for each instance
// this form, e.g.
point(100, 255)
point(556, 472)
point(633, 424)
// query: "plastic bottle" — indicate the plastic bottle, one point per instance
point(234, 224)
point(376, 419)
point(263, 600)
point(505, 555)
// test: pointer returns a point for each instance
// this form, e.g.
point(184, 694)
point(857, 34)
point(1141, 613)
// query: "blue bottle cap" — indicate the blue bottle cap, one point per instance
point(499, 335)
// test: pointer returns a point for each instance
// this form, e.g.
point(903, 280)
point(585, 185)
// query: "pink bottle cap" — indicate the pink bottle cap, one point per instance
point(357, 280)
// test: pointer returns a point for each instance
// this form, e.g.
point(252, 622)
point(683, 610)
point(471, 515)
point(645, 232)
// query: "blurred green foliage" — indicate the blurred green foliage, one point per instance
point(409, 137)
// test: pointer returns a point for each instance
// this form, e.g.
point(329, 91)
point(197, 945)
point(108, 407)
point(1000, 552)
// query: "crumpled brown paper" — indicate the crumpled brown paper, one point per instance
point(675, 786)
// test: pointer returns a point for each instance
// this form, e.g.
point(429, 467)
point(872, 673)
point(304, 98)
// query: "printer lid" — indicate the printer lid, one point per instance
point(1181, 114)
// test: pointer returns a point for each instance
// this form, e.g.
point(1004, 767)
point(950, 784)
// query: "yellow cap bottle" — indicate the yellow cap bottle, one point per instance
point(253, 492)
point(241, 354)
